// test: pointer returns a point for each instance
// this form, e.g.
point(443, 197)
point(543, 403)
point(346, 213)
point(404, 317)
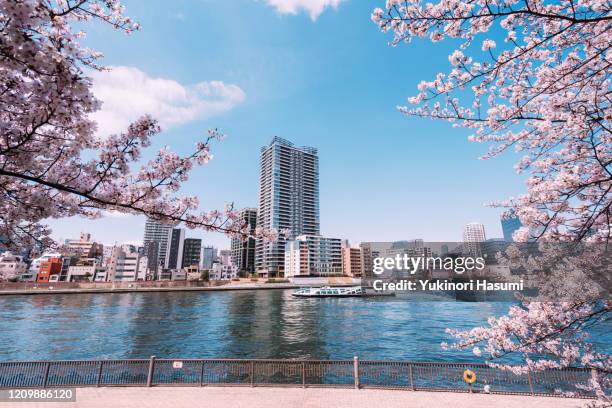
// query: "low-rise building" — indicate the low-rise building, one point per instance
point(83, 247)
point(352, 260)
point(12, 266)
point(126, 264)
point(220, 271)
point(85, 269)
point(313, 255)
point(179, 275)
point(101, 275)
point(49, 267)
point(35, 265)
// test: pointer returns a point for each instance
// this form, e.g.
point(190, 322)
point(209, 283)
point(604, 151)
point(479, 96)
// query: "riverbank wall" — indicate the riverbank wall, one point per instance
point(32, 288)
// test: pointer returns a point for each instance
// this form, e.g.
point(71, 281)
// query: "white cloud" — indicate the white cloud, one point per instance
point(313, 7)
point(128, 93)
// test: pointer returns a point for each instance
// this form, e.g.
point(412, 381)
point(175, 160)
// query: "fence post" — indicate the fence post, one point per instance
point(530, 383)
point(202, 375)
point(410, 372)
point(252, 373)
point(46, 379)
point(303, 374)
point(356, 371)
point(99, 380)
point(150, 373)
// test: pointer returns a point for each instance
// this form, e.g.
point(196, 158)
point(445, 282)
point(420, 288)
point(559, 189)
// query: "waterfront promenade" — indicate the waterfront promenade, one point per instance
point(265, 397)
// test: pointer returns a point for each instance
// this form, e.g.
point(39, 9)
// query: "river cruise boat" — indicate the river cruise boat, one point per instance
point(326, 291)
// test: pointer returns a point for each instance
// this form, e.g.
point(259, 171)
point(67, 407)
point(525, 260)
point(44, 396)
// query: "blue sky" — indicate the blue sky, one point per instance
point(332, 82)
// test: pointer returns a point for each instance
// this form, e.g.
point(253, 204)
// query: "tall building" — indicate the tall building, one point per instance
point(313, 255)
point(243, 249)
point(209, 256)
point(191, 252)
point(510, 223)
point(473, 237)
point(156, 243)
point(288, 200)
point(174, 253)
point(474, 232)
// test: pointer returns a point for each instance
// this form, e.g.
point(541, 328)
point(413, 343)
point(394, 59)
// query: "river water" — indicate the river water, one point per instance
point(235, 324)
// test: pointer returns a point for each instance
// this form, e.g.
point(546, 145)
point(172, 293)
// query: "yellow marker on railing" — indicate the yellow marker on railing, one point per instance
point(469, 377)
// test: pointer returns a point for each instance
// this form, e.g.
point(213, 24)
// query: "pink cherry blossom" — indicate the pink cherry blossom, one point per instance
point(51, 163)
point(544, 93)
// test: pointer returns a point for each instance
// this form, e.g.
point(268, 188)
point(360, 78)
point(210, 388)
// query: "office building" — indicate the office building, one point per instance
point(474, 232)
point(209, 256)
point(243, 249)
point(192, 248)
point(473, 236)
point(155, 243)
point(288, 200)
point(174, 253)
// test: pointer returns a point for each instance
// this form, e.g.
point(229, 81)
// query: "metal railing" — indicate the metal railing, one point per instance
point(409, 375)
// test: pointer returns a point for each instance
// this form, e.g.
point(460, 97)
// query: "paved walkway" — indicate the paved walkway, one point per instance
point(264, 397)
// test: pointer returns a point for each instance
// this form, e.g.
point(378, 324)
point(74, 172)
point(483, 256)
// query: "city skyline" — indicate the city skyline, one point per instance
point(279, 75)
point(269, 161)
point(226, 242)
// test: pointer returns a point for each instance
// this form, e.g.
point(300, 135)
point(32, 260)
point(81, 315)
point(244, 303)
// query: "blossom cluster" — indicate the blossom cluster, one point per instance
point(544, 92)
point(52, 165)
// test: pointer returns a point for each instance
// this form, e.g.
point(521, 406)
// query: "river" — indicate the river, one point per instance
point(235, 324)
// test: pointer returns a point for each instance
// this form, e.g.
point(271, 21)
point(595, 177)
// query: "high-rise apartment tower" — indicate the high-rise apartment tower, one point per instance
point(288, 200)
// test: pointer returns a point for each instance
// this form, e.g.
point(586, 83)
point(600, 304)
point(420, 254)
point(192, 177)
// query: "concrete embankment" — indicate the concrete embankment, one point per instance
point(56, 290)
point(171, 286)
